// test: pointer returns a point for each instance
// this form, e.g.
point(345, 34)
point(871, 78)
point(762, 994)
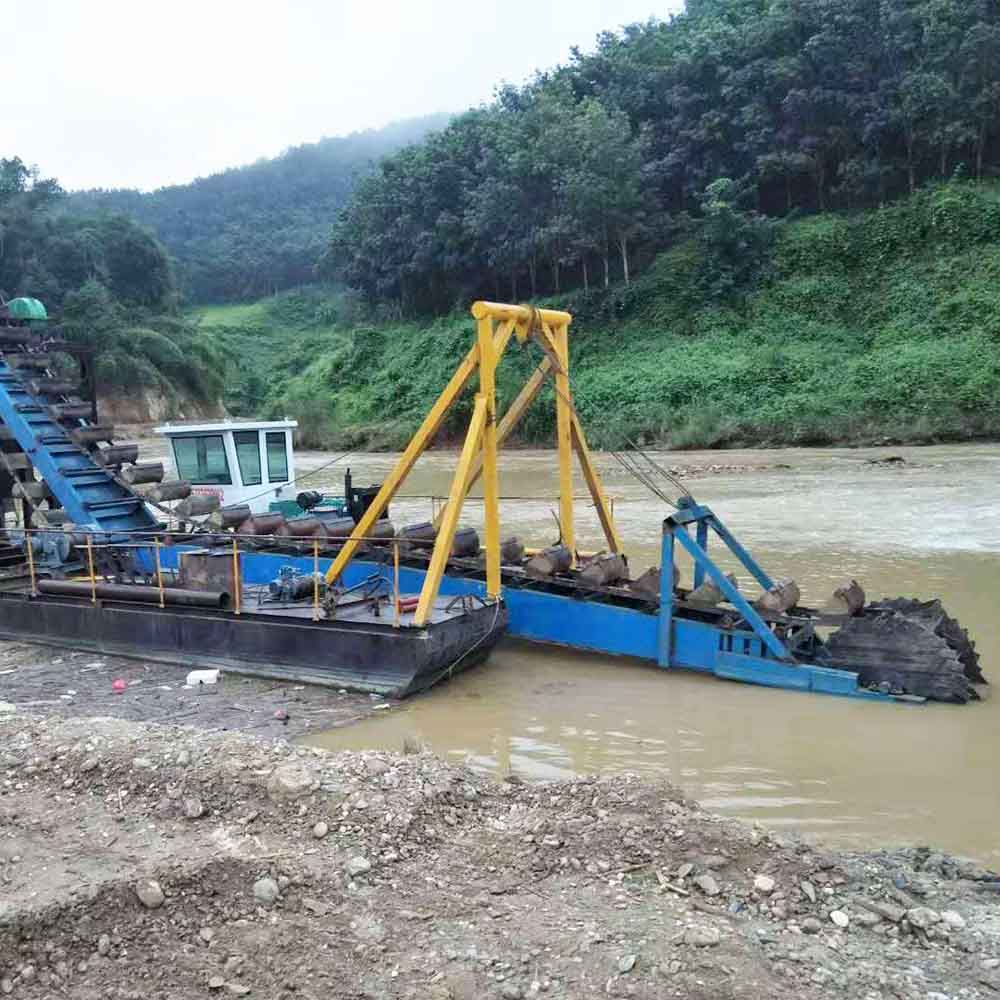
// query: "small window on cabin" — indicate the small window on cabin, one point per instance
point(248, 455)
point(202, 460)
point(277, 457)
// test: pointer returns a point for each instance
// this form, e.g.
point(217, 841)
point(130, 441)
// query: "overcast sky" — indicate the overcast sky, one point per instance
point(136, 93)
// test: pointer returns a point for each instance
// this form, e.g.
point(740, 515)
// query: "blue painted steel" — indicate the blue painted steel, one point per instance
point(738, 601)
point(689, 513)
point(88, 493)
point(798, 677)
point(751, 564)
point(552, 618)
point(589, 625)
point(702, 539)
point(665, 641)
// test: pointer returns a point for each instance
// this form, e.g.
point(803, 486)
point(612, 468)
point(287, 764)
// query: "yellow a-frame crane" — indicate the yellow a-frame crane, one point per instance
point(495, 325)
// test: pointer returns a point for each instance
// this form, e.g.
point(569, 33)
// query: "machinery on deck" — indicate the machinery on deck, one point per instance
point(105, 554)
point(436, 578)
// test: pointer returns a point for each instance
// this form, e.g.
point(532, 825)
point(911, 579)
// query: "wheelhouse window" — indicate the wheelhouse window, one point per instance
point(202, 460)
point(248, 455)
point(277, 457)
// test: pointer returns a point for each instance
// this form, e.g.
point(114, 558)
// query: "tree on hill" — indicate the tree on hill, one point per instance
point(807, 105)
point(109, 283)
point(254, 230)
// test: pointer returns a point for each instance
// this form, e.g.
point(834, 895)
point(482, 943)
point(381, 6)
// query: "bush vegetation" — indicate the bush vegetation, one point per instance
point(883, 326)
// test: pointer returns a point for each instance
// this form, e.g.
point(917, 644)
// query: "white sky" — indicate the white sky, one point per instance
point(142, 93)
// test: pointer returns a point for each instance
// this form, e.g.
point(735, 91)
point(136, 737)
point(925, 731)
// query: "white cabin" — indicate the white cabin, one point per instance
point(242, 463)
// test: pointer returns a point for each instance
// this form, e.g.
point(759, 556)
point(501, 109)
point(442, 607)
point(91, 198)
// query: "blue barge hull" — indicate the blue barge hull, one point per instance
point(559, 619)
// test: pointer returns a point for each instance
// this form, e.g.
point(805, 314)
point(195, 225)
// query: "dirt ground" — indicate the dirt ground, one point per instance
point(152, 860)
point(55, 681)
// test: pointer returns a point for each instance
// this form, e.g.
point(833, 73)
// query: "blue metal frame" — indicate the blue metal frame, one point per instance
point(536, 616)
point(87, 492)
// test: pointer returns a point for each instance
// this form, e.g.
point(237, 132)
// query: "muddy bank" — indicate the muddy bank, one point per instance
point(55, 681)
point(141, 860)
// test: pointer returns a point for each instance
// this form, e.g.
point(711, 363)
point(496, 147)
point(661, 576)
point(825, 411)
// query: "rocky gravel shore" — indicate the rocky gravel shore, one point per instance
point(142, 860)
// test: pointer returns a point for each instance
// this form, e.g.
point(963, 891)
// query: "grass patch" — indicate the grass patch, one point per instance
point(884, 328)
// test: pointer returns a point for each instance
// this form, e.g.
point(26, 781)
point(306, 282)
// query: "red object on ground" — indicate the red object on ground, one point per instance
point(118, 686)
point(408, 603)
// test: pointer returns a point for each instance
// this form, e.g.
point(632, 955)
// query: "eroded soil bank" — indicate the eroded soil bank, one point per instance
point(143, 860)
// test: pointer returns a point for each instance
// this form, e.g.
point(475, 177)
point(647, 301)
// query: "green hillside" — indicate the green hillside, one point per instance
point(884, 326)
point(260, 228)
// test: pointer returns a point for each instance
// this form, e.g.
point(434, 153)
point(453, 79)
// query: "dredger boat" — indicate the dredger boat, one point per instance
point(108, 554)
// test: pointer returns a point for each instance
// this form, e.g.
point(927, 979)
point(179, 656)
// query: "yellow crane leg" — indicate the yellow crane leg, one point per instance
point(491, 483)
point(594, 485)
point(516, 410)
point(558, 336)
point(446, 536)
point(416, 447)
point(549, 344)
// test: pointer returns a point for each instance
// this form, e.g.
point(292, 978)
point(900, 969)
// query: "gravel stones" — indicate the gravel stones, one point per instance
point(193, 808)
point(103, 944)
point(707, 884)
point(764, 884)
point(840, 919)
point(811, 926)
point(953, 919)
point(358, 866)
point(627, 963)
point(320, 830)
point(809, 891)
point(922, 917)
point(887, 911)
point(288, 783)
point(701, 936)
point(149, 892)
point(266, 891)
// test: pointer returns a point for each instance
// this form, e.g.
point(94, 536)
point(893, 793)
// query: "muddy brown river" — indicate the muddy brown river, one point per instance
point(855, 773)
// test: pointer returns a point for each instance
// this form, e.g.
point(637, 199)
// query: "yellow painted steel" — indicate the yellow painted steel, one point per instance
point(491, 484)
point(418, 443)
point(31, 562)
point(496, 324)
point(395, 584)
point(605, 510)
point(564, 435)
point(159, 573)
point(508, 422)
point(237, 580)
point(446, 536)
point(316, 611)
point(90, 568)
point(520, 314)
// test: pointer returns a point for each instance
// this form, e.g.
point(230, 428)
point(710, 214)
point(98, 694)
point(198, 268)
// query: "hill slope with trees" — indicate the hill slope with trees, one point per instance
point(876, 328)
point(110, 285)
point(585, 173)
point(258, 229)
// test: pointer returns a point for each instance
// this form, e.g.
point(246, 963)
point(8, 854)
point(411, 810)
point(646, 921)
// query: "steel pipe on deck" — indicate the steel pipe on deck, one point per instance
point(144, 593)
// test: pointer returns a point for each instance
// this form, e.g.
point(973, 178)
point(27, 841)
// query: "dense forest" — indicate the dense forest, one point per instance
point(882, 327)
point(110, 284)
point(258, 229)
point(775, 221)
point(581, 176)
